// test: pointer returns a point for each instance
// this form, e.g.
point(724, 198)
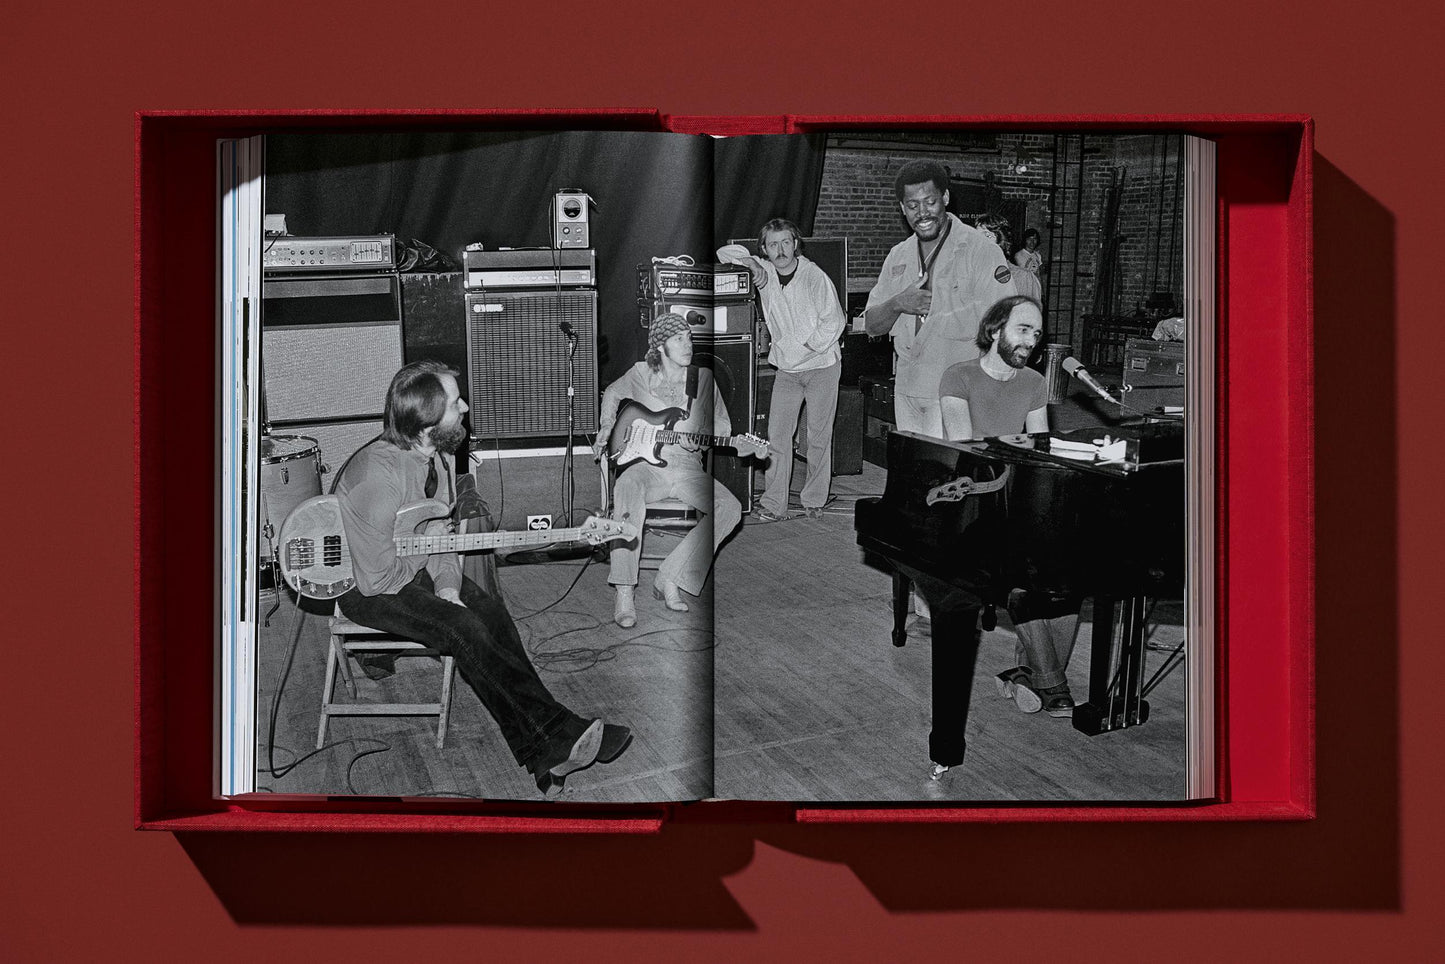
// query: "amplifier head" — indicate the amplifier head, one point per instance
point(571, 213)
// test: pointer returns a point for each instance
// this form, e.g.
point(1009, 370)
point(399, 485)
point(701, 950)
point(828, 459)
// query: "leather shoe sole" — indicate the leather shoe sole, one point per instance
point(584, 751)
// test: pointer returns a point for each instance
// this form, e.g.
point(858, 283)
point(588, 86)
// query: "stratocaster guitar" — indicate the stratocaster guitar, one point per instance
point(640, 433)
point(316, 561)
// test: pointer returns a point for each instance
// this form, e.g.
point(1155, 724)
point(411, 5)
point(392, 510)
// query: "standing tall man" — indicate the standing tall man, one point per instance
point(933, 289)
point(800, 306)
point(931, 292)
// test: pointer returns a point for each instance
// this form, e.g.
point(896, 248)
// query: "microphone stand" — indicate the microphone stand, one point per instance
point(569, 550)
point(568, 481)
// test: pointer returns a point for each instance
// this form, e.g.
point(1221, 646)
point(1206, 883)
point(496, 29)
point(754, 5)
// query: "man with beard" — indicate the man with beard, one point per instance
point(427, 599)
point(931, 292)
point(666, 379)
point(993, 395)
point(800, 306)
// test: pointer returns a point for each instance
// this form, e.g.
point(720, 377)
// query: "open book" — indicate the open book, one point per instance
point(857, 635)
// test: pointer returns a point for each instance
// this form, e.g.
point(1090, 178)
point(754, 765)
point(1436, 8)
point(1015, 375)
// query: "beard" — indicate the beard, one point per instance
point(448, 439)
point(1015, 354)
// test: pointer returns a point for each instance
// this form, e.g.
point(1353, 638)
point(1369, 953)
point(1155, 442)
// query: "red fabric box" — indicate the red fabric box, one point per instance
point(1266, 474)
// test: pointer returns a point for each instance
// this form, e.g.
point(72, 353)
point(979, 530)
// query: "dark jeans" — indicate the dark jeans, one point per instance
point(489, 653)
point(1046, 626)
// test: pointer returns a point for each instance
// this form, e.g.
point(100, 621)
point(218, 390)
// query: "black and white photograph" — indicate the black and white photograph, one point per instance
point(633, 467)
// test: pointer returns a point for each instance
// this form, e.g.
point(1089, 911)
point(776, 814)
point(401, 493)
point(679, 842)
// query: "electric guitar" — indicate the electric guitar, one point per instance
point(640, 433)
point(316, 561)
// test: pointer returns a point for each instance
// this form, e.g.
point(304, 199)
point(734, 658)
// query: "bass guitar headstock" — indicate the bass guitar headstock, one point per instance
point(597, 530)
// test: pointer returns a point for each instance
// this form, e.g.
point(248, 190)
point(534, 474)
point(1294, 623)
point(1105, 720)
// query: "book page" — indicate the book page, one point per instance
point(965, 573)
point(442, 313)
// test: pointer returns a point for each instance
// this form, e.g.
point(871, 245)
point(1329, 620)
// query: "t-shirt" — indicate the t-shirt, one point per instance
point(995, 408)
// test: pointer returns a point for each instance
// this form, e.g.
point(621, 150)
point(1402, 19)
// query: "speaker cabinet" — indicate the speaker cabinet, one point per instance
point(329, 348)
point(734, 368)
point(517, 362)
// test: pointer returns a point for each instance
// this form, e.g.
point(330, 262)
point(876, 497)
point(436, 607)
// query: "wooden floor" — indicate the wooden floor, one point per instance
point(813, 703)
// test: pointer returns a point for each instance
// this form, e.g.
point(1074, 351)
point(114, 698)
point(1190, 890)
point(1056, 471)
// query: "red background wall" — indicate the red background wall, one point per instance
point(1360, 882)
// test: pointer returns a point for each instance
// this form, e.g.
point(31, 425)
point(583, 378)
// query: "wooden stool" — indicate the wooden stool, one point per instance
point(672, 516)
point(349, 638)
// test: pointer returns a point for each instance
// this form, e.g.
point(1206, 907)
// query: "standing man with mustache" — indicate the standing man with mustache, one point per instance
point(805, 321)
point(931, 293)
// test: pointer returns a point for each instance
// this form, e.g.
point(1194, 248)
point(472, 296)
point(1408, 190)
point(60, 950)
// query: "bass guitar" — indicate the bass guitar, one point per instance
point(640, 433)
point(316, 561)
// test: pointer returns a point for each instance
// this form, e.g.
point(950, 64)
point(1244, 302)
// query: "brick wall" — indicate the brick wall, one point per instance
point(856, 200)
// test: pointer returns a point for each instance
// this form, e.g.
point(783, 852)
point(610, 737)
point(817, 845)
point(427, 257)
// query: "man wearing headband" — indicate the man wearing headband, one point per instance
point(665, 379)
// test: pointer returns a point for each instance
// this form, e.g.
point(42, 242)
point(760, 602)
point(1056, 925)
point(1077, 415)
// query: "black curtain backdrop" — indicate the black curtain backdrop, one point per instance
point(758, 178)
point(652, 192)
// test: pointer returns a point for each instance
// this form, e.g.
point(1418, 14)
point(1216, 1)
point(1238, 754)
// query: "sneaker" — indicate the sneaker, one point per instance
point(815, 512)
point(1058, 701)
point(765, 516)
point(1010, 685)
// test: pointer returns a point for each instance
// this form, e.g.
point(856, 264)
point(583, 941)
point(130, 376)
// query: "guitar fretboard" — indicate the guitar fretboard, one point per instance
point(693, 438)
point(461, 542)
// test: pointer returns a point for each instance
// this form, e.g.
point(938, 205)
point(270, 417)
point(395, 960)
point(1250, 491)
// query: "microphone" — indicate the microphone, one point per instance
point(567, 329)
point(1072, 366)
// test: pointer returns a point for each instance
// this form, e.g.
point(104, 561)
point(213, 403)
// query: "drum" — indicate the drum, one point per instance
point(290, 474)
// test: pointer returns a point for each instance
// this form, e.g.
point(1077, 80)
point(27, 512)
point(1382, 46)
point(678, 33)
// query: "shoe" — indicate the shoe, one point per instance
point(582, 754)
point(815, 512)
point(624, 612)
point(549, 786)
point(1057, 700)
point(668, 592)
point(765, 516)
point(1010, 685)
point(615, 741)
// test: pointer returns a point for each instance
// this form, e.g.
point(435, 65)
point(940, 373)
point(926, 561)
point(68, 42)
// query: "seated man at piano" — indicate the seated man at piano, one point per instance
point(995, 395)
point(666, 381)
point(426, 598)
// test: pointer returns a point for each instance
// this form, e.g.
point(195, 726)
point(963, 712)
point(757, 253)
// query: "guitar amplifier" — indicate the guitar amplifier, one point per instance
point(1153, 373)
point(703, 283)
point(704, 320)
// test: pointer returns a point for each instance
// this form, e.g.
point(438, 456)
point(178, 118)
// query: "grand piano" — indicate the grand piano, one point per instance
point(966, 522)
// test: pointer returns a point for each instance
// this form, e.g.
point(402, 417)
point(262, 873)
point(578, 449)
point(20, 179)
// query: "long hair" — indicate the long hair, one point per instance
point(415, 401)
point(997, 316)
point(996, 223)
point(920, 172)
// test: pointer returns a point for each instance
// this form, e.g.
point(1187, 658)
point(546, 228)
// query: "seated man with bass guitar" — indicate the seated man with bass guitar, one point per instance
point(655, 421)
point(426, 598)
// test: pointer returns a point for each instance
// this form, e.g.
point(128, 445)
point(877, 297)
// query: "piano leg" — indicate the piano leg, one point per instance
point(954, 650)
point(902, 592)
point(1115, 693)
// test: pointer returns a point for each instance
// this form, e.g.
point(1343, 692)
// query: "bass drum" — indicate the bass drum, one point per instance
point(290, 474)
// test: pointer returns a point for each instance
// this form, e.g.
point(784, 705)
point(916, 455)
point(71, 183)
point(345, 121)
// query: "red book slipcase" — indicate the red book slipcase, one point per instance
point(1265, 473)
